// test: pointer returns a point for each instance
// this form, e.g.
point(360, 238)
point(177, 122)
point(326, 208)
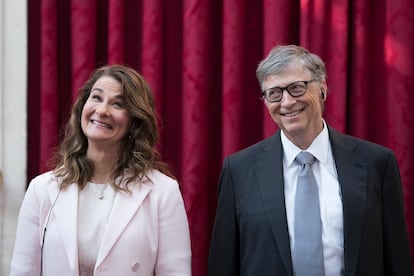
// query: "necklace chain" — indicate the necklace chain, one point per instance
point(102, 191)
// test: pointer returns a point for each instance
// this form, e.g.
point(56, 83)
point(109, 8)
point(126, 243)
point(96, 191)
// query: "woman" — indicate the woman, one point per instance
point(109, 206)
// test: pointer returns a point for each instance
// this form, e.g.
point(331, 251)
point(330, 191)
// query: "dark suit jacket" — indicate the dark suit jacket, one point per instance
point(250, 235)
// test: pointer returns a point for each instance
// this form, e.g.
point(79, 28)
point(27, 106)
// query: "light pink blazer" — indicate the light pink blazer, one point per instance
point(147, 232)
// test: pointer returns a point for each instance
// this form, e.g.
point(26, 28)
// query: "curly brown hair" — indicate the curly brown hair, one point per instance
point(137, 153)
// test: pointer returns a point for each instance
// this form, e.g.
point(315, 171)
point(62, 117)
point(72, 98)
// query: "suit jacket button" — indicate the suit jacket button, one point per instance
point(135, 266)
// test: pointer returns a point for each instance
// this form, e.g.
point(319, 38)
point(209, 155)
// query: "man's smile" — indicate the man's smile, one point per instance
point(292, 114)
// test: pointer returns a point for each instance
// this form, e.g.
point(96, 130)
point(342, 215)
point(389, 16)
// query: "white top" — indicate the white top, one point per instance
point(329, 197)
point(93, 216)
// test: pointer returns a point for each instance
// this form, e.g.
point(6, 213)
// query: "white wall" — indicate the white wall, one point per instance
point(13, 98)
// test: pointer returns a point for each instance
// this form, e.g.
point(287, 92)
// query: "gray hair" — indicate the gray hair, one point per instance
point(281, 57)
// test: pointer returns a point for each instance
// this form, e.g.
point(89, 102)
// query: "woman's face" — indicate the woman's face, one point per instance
point(104, 118)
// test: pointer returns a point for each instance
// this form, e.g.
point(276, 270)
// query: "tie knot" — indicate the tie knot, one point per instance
point(305, 157)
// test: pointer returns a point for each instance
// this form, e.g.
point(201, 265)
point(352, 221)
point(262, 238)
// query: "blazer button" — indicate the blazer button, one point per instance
point(135, 266)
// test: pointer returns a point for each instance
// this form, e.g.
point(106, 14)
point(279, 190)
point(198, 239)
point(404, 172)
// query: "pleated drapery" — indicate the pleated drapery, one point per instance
point(200, 57)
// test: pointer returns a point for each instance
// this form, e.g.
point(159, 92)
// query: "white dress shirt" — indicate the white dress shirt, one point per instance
point(329, 197)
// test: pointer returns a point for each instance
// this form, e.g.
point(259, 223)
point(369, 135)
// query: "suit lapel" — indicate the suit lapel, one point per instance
point(124, 208)
point(65, 212)
point(269, 169)
point(353, 178)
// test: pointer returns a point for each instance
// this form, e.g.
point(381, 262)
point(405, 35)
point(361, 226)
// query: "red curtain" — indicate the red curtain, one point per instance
point(200, 58)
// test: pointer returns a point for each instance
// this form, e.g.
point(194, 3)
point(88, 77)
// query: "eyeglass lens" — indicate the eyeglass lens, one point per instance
point(295, 89)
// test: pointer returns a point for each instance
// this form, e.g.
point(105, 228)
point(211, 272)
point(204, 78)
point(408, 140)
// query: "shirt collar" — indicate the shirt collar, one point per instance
point(319, 147)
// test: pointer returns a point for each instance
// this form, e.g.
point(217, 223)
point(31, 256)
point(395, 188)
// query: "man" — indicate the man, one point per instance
point(355, 224)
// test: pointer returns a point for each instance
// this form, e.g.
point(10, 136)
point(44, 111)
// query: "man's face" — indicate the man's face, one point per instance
point(300, 118)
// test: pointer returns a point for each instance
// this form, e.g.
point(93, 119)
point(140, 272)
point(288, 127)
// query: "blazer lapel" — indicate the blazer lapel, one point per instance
point(124, 208)
point(269, 168)
point(64, 210)
point(352, 176)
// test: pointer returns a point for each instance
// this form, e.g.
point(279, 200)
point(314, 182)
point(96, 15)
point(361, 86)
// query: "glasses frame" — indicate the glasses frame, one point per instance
point(287, 89)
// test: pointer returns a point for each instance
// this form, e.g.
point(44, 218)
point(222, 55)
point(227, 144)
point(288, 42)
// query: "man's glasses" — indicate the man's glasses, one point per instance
point(295, 89)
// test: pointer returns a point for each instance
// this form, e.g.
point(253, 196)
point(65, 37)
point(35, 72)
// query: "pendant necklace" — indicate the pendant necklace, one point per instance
point(102, 190)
